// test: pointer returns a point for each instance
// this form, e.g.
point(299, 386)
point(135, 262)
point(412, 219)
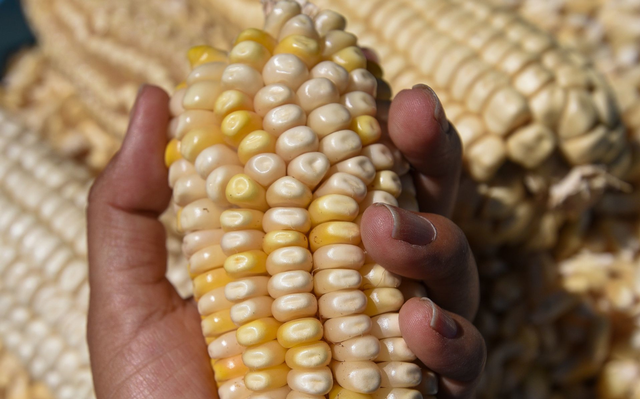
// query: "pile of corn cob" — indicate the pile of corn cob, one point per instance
point(274, 157)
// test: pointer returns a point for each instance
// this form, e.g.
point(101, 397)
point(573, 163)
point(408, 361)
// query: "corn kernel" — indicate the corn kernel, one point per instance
point(325, 281)
point(291, 258)
point(340, 393)
point(289, 192)
point(334, 72)
point(316, 354)
point(355, 349)
point(301, 25)
point(376, 276)
point(341, 303)
point(229, 368)
point(225, 346)
point(243, 78)
point(199, 55)
point(233, 389)
point(207, 72)
point(306, 49)
point(363, 377)
point(368, 128)
point(255, 143)
point(245, 192)
point(213, 301)
point(359, 166)
point(196, 140)
point(338, 256)
point(246, 264)
point(291, 282)
point(251, 309)
point(309, 168)
point(240, 241)
point(250, 53)
point(383, 300)
point(399, 393)
point(247, 288)
point(296, 219)
point(241, 219)
point(262, 356)
point(280, 393)
point(310, 383)
point(294, 306)
point(285, 69)
point(269, 378)
point(206, 259)
point(400, 374)
point(217, 181)
point(238, 124)
point(328, 20)
point(350, 58)
point(201, 95)
point(215, 157)
point(217, 323)
point(343, 328)
point(395, 349)
point(284, 238)
point(172, 152)
point(336, 40)
point(258, 331)
point(230, 101)
point(258, 36)
point(362, 80)
point(298, 332)
point(265, 168)
point(209, 281)
point(334, 233)
point(333, 207)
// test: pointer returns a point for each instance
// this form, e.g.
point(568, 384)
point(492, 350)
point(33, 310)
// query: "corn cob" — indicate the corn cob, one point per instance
point(270, 188)
point(15, 382)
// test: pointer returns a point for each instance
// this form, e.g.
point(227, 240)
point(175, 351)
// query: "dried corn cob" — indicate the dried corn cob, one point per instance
point(273, 160)
point(15, 382)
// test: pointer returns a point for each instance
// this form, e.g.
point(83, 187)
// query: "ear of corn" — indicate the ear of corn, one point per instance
point(273, 159)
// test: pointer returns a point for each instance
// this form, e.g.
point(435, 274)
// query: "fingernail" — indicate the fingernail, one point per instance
point(440, 321)
point(409, 227)
point(438, 112)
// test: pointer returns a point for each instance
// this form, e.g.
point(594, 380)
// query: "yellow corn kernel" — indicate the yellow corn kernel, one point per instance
point(210, 280)
point(180, 86)
point(383, 300)
point(258, 332)
point(230, 101)
point(307, 49)
point(387, 180)
point(375, 69)
point(301, 331)
point(217, 323)
point(334, 233)
point(245, 264)
point(238, 124)
point(245, 192)
point(368, 128)
point(340, 393)
point(229, 368)
point(317, 354)
point(257, 142)
point(270, 378)
point(199, 55)
point(196, 140)
point(284, 238)
point(172, 152)
point(333, 207)
point(241, 219)
point(350, 58)
point(258, 36)
point(250, 53)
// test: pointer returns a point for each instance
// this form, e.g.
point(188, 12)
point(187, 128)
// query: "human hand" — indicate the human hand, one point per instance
point(145, 341)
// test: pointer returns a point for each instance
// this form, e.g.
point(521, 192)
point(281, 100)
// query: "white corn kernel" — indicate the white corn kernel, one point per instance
point(272, 96)
point(328, 119)
point(359, 103)
point(251, 309)
point(202, 214)
point(302, 25)
point(175, 104)
point(317, 92)
point(341, 303)
point(327, 20)
point(178, 169)
point(296, 141)
point(192, 119)
point(188, 189)
point(294, 306)
point(378, 196)
point(309, 168)
point(292, 282)
point(331, 280)
point(288, 192)
point(334, 72)
point(225, 346)
point(210, 71)
point(243, 78)
point(289, 258)
point(386, 326)
point(194, 242)
point(201, 95)
point(380, 156)
point(338, 256)
point(412, 289)
point(387, 180)
point(314, 381)
point(247, 288)
point(362, 348)
point(213, 301)
point(250, 53)
point(213, 157)
point(286, 219)
point(336, 40)
point(265, 168)
point(262, 356)
point(400, 374)
point(362, 377)
point(282, 11)
point(362, 80)
point(317, 354)
point(286, 69)
point(217, 181)
point(395, 349)
point(233, 389)
point(234, 242)
point(340, 145)
point(282, 118)
point(344, 184)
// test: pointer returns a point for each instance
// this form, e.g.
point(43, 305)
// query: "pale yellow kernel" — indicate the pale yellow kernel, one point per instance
point(209, 281)
point(238, 124)
point(245, 192)
point(258, 332)
point(336, 40)
point(334, 233)
point(376, 276)
point(327, 20)
point(246, 264)
point(172, 152)
point(368, 128)
point(258, 36)
point(306, 49)
point(333, 207)
point(298, 332)
point(340, 393)
point(250, 53)
point(255, 143)
point(284, 238)
point(210, 71)
point(199, 55)
point(350, 58)
point(241, 219)
point(230, 101)
point(196, 140)
point(206, 259)
point(387, 180)
point(266, 379)
point(383, 300)
point(229, 368)
point(316, 354)
point(201, 95)
point(217, 323)
point(262, 356)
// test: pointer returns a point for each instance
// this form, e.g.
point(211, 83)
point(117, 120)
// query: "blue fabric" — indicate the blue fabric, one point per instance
point(14, 31)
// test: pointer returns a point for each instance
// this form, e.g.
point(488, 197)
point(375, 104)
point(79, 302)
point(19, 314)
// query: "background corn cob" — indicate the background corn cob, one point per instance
point(259, 260)
point(43, 270)
point(15, 382)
